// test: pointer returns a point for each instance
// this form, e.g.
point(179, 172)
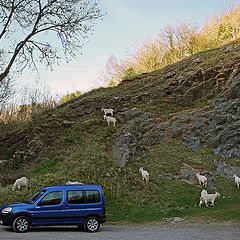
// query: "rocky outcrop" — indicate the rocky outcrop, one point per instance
point(217, 125)
point(226, 170)
point(188, 175)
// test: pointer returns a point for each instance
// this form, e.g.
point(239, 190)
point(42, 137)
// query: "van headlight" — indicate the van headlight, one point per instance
point(7, 210)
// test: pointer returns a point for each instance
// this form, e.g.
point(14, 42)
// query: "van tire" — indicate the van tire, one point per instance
point(91, 224)
point(21, 224)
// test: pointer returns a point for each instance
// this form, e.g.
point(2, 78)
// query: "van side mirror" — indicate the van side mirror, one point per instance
point(40, 203)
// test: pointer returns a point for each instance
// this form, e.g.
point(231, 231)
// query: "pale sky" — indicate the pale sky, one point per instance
point(127, 23)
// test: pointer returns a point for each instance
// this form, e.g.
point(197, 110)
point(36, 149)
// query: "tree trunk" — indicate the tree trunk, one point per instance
point(3, 75)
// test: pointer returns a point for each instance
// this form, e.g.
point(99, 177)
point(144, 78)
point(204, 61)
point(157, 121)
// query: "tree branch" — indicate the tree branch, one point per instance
point(70, 18)
point(8, 21)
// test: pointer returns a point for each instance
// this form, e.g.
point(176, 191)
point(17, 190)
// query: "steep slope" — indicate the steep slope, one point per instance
point(195, 102)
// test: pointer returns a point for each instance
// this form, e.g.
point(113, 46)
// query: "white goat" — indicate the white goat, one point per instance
point(202, 179)
point(107, 111)
point(21, 182)
point(72, 183)
point(145, 174)
point(206, 198)
point(237, 180)
point(110, 119)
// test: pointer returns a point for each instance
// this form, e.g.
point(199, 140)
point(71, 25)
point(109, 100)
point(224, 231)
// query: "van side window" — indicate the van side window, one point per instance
point(75, 197)
point(53, 198)
point(92, 196)
point(81, 197)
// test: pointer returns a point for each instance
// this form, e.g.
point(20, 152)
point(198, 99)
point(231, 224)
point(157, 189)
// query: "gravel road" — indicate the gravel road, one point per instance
point(163, 232)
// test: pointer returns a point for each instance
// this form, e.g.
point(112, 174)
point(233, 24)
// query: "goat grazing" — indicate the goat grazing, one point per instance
point(110, 119)
point(72, 183)
point(145, 174)
point(107, 111)
point(21, 182)
point(201, 179)
point(206, 198)
point(237, 180)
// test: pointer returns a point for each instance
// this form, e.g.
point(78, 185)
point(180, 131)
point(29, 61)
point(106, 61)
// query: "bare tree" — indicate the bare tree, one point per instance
point(34, 32)
point(113, 72)
point(149, 56)
point(6, 90)
point(6, 86)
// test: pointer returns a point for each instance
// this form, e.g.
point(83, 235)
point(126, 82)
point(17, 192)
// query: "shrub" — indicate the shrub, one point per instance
point(69, 96)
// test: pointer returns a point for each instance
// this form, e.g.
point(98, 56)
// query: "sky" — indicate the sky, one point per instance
point(127, 23)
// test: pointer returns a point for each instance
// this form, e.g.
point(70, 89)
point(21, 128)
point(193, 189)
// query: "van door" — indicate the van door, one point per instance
point(75, 206)
point(49, 210)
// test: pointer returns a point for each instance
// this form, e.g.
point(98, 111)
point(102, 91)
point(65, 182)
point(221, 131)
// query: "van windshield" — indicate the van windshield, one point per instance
point(35, 197)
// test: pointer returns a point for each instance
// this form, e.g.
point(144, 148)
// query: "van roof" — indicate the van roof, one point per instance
point(73, 186)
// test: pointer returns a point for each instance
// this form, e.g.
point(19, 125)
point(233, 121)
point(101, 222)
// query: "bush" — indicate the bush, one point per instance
point(69, 96)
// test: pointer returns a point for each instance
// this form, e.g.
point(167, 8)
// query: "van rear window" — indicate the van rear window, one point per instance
point(92, 196)
point(81, 197)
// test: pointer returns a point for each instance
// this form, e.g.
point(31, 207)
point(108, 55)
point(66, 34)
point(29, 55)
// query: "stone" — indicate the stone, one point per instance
point(3, 161)
point(228, 48)
point(68, 122)
point(174, 220)
point(226, 170)
point(198, 60)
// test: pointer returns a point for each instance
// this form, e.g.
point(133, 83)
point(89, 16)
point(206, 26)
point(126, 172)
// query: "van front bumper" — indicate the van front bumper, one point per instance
point(6, 219)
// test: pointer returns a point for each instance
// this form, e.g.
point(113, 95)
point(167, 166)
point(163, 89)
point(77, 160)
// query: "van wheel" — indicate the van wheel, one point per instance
point(21, 224)
point(91, 224)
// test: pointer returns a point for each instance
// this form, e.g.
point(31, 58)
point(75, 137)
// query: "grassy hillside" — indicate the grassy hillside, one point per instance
point(72, 142)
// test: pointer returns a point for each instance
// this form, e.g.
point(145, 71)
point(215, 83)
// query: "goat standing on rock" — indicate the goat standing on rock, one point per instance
point(145, 174)
point(202, 179)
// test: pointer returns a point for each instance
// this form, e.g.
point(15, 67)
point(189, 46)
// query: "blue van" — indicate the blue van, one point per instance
point(81, 205)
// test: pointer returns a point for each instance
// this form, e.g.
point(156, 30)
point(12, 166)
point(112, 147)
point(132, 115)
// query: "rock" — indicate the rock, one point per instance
point(170, 176)
point(198, 74)
point(181, 79)
point(198, 60)
point(187, 181)
point(3, 161)
point(174, 220)
point(161, 177)
point(225, 170)
point(229, 48)
point(68, 122)
point(170, 74)
point(235, 71)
